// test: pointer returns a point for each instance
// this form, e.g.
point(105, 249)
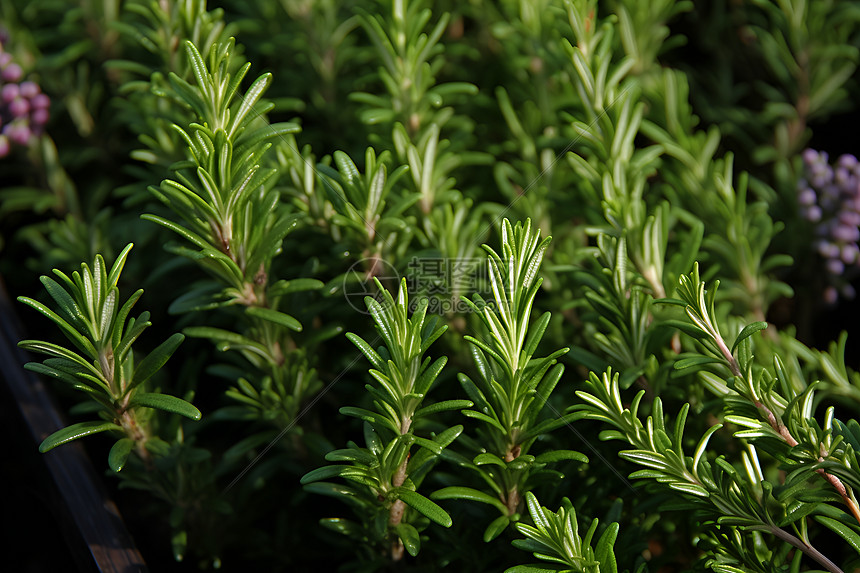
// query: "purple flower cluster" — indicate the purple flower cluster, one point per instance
point(24, 109)
point(829, 196)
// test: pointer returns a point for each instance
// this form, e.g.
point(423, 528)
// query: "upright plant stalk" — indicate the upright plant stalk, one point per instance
point(425, 133)
point(785, 415)
point(101, 362)
point(770, 413)
point(623, 330)
point(158, 29)
point(742, 230)
point(527, 171)
point(386, 473)
point(369, 210)
point(235, 222)
point(513, 385)
point(555, 538)
point(617, 168)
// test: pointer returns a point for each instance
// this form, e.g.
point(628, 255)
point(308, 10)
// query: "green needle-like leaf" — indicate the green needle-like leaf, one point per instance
point(69, 331)
point(444, 406)
point(74, 432)
point(166, 403)
point(275, 317)
point(155, 360)
point(422, 505)
point(844, 531)
point(410, 538)
point(561, 455)
point(468, 493)
point(119, 454)
point(748, 331)
point(496, 527)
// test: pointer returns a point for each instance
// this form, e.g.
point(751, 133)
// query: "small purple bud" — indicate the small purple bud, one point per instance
point(849, 253)
point(840, 176)
point(4, 146)
point(810, 156)
point(818, 167)
point(822, 177)
point(845, 234)
point(835, 267)
point(22, 135)
point(850, 188)
point(40, 117)
point(813, 214)
point(849, 218)
point(19, 107)
point(806, 197)
point(828, 203)
point(9, 92)
point(848, 292)
point(29, 90)
point(17, 132)
point(827, 249)
point(12, 73)
point(830, 295)
point(41, 101)
point(847, 161)
point(5, 59)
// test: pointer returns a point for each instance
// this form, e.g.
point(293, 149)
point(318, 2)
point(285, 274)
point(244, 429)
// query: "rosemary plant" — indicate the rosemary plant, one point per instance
point(386, 474)
point(739, 505)
point(101, 362)
point(236, 226)
point(513, 385)
point(555, 538)
point(379, 145)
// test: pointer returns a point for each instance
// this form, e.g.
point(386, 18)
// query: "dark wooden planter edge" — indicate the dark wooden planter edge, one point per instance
point(97, 518)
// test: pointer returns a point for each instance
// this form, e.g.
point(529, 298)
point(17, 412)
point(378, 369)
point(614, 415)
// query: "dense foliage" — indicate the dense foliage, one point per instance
point(420, 267)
